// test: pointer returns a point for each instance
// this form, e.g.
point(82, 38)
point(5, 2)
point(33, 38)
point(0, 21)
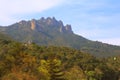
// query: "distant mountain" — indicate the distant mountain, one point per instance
point(50, 31)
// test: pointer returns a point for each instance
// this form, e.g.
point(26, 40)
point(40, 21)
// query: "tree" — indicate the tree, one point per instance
point(51, 68)
point(75, 73)
point(55, 70)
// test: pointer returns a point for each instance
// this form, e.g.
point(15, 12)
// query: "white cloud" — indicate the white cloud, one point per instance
point(9, 8)
point(6, 20)
point(114, 41)
point(26, 6)
point(100, 27)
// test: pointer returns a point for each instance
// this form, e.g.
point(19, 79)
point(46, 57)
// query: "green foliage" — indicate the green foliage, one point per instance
point(23, 61)
point(75, 73)
point(51, 68)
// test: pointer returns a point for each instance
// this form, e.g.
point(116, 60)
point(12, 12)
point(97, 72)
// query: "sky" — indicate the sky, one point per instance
point(97, 20)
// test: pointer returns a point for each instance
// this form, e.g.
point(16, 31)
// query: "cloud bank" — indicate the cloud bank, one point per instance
point(23, 7)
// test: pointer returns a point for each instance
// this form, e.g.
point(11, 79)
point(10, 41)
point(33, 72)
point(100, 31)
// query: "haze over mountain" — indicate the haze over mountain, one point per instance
point(49, 31)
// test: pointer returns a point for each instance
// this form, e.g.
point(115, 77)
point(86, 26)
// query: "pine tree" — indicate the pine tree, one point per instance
point(52, 68)
point(55, 70)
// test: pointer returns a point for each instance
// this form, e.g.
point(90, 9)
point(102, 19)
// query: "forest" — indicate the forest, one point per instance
point(28, 61)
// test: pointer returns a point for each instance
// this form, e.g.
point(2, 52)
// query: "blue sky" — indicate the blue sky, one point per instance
point(97, 20)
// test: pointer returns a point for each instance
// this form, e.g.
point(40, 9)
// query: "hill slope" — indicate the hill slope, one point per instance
point(4, 37)
point(49, 31)
point(32, 62)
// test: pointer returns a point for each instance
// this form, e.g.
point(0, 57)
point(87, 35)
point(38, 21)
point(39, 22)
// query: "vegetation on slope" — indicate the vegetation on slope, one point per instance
point(29, 61)
point(5, 37)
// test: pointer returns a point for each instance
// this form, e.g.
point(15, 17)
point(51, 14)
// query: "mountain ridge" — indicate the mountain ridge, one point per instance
point(52, 32)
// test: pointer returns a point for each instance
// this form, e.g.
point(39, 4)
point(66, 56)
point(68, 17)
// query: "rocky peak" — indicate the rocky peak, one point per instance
point(61, 23)
point(33, 24)
point(22, 22)
point(68, 28)
point(52, 21)
point(62, 29)
point(43, 23)
point(49, 21)
point(42, 19)
point(55, 23)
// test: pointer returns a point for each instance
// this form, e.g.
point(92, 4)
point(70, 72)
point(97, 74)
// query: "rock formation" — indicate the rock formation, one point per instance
point(33, 24)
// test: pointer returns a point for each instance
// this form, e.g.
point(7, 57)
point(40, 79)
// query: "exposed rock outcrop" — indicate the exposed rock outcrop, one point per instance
point(62, 29)
point(68, 28)
point(33, 24)
point(39, 25)
point(22, 22)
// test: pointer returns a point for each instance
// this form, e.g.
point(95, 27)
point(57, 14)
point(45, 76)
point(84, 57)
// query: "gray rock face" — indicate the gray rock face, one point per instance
point(68, 28)
point(39, 25)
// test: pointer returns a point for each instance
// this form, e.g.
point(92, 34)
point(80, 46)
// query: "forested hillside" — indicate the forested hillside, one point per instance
point(28, 61)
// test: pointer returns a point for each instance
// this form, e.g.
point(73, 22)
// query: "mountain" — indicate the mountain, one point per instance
point(4, 37)
point(51, 32)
